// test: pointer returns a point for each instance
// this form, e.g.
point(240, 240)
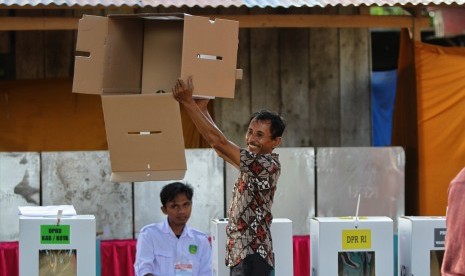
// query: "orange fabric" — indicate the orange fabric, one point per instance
point(404, 128)
point(440, 80)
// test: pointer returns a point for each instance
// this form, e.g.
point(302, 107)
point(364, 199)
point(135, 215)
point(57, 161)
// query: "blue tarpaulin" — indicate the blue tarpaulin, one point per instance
point(382, 104)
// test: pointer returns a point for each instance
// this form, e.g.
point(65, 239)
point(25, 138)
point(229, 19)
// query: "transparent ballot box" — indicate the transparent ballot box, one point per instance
point(421, 245)
point(351, 246)
point(52, 247)
point(281, 231)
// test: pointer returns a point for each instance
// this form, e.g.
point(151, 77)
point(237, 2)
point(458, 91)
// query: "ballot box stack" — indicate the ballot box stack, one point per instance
point(133, 61)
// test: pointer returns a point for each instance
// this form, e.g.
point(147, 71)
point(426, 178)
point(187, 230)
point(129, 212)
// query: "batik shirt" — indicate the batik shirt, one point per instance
point(248, 229)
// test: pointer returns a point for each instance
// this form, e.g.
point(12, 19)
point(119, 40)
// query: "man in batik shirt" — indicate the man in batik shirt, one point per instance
point(249, 246)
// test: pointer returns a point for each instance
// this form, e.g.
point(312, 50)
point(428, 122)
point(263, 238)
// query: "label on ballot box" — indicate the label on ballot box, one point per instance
point(55, 234)
point(356, 239)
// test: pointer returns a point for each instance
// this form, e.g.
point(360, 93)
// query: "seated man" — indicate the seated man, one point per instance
point(171, 247)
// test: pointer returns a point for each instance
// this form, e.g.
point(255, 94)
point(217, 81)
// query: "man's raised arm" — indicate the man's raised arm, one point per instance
point(226, 149)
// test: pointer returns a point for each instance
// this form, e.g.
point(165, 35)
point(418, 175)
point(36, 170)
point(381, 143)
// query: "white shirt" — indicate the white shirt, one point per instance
point(158, 250)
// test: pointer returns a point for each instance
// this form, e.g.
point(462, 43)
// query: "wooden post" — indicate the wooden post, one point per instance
point(416, 26)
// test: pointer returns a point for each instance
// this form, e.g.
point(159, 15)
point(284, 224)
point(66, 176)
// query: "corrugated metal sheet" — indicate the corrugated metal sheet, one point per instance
point(224, 3)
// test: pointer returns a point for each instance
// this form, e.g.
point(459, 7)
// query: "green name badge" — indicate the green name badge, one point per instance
point(55, 234)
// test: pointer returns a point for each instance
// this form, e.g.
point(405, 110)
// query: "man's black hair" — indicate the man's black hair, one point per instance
point(171, 190)
point(277, 123)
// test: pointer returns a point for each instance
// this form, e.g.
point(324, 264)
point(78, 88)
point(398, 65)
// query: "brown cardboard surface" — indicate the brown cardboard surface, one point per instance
point(88, 70)
point(123, 56)
point(210, 55)
point(145, 53)
point(130, 58)
point(112, 55)
point(144, 135)
point(162, 58)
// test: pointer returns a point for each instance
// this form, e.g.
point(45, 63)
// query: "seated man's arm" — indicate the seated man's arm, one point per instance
point(144, 264)
point(206, 260)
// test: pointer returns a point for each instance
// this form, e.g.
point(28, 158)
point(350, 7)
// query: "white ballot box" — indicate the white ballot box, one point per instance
point(349, 246)
point(48, 246)
point(421, 245)
point(281, 231)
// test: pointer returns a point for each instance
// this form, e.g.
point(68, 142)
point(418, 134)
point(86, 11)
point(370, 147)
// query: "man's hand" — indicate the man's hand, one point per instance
point(182, 92)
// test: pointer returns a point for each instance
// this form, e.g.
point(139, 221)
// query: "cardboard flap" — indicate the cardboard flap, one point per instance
point(162, 55)
point(210, 55)
point(144, 134)
point(123, 56)
point(90, 54)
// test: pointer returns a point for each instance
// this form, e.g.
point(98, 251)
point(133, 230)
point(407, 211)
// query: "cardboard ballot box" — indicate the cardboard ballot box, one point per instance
point(147, 53)
point(133, 61)
point(144, 136)
point(281, 231)
point(421, 245)
point(48, 248)
point(346, 246)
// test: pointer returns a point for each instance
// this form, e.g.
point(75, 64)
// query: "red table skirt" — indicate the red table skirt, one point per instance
point(117, 257)
point(9, 258)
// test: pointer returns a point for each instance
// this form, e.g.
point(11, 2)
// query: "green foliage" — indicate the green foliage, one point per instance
point(387, 11)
